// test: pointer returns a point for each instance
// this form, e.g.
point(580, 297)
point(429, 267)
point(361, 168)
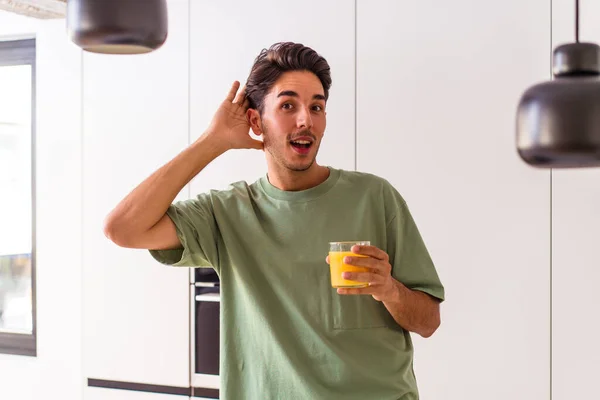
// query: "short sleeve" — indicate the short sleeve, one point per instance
point(409, 257)
point(197, 230)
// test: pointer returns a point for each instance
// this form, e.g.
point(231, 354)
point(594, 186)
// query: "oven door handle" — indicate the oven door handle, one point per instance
point(216, 297)
point(207, 284)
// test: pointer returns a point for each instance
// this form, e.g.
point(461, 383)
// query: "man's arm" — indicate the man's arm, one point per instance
point(140, 219)
point(413, 310)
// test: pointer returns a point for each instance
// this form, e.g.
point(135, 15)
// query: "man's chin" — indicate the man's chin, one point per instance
point(300, 167)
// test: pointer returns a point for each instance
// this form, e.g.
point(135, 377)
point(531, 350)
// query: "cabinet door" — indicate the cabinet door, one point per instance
point(438, 84)
point(136, 311)
point(575, 277)
point(575, 250)
point(226, 37)
point(93, 393)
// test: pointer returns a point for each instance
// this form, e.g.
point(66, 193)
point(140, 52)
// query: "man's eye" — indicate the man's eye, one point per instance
point(317, 108)
point(286, 106)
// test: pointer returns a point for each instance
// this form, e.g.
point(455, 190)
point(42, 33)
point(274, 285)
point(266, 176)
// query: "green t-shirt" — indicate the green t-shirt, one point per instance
point(286, 333)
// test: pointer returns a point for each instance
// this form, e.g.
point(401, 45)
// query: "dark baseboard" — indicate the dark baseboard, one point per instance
point(140, 387)
point(204, 392)
point(145, 387)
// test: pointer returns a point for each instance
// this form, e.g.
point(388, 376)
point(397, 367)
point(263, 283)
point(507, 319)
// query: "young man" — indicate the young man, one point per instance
point(287, 334)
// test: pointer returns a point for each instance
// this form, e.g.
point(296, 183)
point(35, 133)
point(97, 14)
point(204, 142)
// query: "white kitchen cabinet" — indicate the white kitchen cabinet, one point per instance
point(226, 37)
point(575, 277)
point(575, 250)
point(135, 119)
point(94, 393)
point(438, 85)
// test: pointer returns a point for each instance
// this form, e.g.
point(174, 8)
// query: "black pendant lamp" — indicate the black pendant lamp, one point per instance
point(558, 122)
point(117, 26)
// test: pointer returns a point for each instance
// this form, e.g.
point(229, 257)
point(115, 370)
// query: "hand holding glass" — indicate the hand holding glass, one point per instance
point(337, 266)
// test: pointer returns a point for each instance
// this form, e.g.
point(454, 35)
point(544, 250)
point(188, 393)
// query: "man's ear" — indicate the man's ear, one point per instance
point(253, 117)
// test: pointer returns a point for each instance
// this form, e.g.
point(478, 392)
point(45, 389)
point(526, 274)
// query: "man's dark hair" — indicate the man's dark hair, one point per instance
point(280, 58)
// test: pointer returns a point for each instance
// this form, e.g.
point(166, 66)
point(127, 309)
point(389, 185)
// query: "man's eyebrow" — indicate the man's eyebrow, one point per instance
point(291, 93)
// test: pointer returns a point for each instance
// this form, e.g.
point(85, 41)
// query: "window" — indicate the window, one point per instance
point(17, 197)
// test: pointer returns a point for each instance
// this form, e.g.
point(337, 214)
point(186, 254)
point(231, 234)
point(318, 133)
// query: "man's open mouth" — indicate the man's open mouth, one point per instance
point(301, 144)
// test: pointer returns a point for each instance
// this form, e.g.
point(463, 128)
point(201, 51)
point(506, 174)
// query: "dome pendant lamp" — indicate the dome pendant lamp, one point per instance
point(117, 26)
point(558, 122)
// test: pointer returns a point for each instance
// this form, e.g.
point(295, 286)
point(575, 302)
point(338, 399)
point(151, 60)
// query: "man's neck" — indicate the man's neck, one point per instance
point(293, 181)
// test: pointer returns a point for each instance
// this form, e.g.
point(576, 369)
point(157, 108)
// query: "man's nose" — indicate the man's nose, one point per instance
point(304, 120)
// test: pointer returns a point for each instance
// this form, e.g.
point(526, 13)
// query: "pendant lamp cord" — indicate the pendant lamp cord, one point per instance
point(577, 21)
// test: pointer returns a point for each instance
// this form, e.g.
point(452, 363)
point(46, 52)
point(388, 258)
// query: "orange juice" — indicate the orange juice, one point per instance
point(337, 266)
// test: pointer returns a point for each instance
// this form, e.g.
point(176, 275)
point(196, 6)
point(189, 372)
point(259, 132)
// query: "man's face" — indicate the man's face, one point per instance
point(293, 120)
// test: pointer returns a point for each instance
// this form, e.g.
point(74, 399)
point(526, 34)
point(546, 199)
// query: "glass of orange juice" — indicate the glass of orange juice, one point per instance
point(337, 252)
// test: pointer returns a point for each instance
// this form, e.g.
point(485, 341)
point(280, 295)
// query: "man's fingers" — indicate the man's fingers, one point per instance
point(246, 104)
point(363, 277)
point(233, 91)
point(366, 262)
point(241, 96)
point(370, 251)
point(327, 259)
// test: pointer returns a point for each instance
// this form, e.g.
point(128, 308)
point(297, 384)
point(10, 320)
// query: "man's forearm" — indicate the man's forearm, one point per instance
point(413, 310)
point(144, 206)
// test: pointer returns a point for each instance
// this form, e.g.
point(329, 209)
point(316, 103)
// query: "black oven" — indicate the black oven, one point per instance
point(206, 329)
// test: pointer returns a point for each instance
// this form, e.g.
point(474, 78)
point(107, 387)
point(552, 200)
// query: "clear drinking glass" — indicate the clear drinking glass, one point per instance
point(337, 252)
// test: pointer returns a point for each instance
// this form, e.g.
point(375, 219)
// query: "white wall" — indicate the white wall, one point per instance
point(437, 86)
point(56, 371)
